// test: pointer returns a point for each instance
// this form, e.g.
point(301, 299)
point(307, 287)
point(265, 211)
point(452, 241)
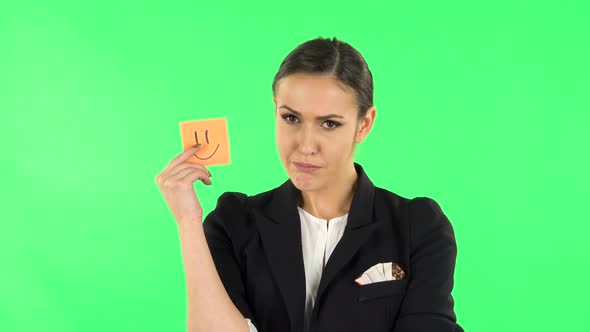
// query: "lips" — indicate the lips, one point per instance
point(303, 167)
point(305, 164)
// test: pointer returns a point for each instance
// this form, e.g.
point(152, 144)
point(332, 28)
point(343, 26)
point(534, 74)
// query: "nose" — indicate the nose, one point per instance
point(307, 143)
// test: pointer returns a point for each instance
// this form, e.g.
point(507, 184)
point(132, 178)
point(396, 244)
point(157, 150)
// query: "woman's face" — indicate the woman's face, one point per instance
point(316, 123)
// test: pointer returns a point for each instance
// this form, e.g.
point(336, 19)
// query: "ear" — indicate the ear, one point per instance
point(365, 125)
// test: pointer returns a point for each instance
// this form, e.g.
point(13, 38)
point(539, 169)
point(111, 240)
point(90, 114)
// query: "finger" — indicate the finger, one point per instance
point(182, 156)
point(185, 165)
point(191, 174)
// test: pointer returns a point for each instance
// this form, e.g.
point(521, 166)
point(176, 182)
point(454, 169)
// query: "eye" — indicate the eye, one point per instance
point(335, 124)
point(288, 116)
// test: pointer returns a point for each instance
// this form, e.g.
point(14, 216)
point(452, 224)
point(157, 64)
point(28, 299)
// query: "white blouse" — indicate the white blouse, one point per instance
point(319, 238)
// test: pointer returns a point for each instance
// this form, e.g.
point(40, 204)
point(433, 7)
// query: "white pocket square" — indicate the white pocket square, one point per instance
point(381, 272)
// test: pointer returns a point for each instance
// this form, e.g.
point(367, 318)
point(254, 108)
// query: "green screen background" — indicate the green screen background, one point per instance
point(482, 106)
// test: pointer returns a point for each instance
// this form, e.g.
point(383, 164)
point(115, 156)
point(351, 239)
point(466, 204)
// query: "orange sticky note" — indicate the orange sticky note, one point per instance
point(213, 137)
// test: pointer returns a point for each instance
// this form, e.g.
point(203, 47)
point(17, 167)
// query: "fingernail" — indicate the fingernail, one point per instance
point(196, 145)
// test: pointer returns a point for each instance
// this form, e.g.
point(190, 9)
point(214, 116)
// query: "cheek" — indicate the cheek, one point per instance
point(285, 135)
point(284, 143)
point(281, 136)
point(339, 148)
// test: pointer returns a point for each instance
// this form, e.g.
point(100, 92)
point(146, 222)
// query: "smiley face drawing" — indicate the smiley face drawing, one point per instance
point(212, 134)
point(207, 139)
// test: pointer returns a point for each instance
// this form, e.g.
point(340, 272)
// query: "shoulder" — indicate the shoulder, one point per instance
point(230, 206)
point(239, 203)
point(426, 213)
point(232, 216)
point(232, 197)
point(230, 210)
point(421, 204)
point(422, 216)
point(429, 226)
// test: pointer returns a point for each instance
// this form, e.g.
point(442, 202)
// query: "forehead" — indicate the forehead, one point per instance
point(315, 93)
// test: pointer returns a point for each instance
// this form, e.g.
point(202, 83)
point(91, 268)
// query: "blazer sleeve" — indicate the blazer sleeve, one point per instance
point(218, 227)
point(428, 303)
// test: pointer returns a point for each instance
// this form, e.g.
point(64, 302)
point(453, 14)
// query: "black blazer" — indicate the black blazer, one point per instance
point(256, 246)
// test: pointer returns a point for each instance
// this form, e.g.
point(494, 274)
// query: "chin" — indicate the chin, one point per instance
point(304, 183)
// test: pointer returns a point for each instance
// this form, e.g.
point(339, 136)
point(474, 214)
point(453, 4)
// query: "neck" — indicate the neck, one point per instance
point(332, 201)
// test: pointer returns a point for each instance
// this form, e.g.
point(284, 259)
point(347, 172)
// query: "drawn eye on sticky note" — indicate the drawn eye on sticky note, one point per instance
point(213, 137)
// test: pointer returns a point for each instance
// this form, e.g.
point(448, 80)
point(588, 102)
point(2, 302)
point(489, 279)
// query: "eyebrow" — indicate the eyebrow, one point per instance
point(323, 117)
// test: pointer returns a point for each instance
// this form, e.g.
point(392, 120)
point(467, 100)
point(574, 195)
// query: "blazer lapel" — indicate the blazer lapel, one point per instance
point(360, 224)
point(280, 231)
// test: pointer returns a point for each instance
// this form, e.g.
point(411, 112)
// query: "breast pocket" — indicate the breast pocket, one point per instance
point(381, 289)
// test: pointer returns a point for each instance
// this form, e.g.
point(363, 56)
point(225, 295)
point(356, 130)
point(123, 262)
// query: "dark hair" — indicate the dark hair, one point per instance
point(342, 61)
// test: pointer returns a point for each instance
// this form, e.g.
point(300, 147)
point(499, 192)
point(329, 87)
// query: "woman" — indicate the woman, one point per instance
point(299, 257)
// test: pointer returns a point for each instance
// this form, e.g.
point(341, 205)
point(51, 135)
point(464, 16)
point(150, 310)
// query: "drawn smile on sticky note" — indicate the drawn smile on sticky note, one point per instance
point(212, 135)
point(207, 139)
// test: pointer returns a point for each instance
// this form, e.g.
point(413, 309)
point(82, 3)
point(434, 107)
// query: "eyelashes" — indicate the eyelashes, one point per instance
point(335, 124)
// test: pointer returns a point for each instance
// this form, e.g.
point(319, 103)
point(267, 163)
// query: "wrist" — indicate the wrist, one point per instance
point(189, 224)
